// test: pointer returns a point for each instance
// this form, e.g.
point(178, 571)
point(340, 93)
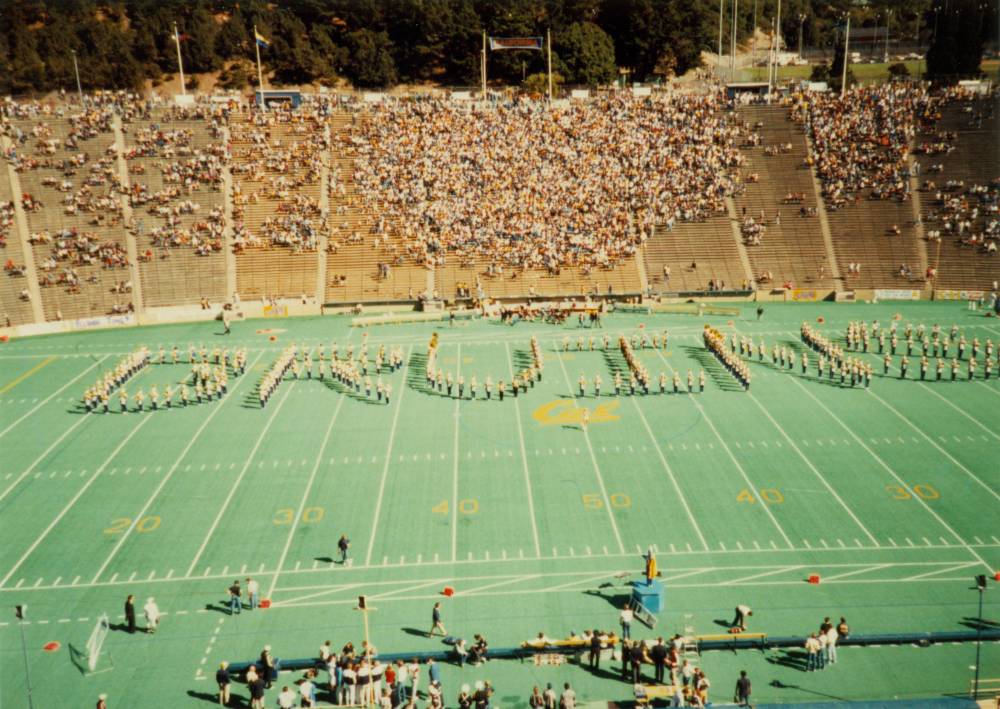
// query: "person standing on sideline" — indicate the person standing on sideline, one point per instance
point(550, 697)
point(235, 598)
point(152, 612)
point(740, 621)
point(594, 660)
point(568, 698)
point(130, 613)
point(625, 618)
point(742, 694)
point(536, 700)
point(223, 679)
point(343, 545)
point(436, 621)
point(102, 701)
point(658, 653)
point(253, 592)
point(812, 653)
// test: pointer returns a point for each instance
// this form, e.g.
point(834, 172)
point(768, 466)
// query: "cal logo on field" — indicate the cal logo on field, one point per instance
point(566, 412)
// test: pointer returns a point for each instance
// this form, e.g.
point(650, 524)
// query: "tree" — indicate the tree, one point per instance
point(370, 63)
point(837, 68)
point(198, 48)
point(958, 50)
point(539, 83)
point(587, 53)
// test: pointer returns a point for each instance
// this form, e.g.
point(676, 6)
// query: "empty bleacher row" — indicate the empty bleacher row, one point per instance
point(791, 249)
point(692, 254)
point(264, 270)
point(974, 161)
point(177, 218)
point(76, 198)
point(15, 306)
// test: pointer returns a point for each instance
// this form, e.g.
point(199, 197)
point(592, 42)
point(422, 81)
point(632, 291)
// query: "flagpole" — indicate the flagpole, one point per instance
point(260, 73)
point(180, 62)
point(548, 34)
point(483, 66)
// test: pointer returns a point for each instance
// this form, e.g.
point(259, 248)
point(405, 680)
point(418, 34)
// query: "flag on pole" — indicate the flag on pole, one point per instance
point(261, 41)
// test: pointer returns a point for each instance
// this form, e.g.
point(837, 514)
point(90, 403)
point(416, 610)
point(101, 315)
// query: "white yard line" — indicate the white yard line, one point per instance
point(524, 458)
point(729, 452)
point(597, 468)
point(812, 467)
point(670, 474)
point(173, 468)
point(454, 477)
point(235, 486)
point(934, 443)
point(965, 565)
point(50, 396)
point(69, 505)
point(762, 574)
point(893, 473)
point(966, 415)
point(856, 572)
point(83, 418)
point(305, 497)
point(388, 458)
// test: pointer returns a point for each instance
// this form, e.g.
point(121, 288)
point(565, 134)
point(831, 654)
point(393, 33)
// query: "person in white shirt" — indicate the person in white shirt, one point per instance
point(625, 618)
point(831, 644)
point(152, 612)
point(253, 591)
point(308, 692)
point(286, 700)
point(568, 698)
point(812, 652)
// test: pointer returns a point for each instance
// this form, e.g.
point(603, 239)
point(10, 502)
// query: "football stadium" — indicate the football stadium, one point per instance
point(481, 354)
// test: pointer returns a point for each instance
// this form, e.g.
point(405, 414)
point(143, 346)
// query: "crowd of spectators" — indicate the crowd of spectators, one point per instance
point(524, 186)
point(860, 143)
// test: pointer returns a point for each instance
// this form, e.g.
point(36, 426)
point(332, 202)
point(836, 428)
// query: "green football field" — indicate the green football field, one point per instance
point(891, 495)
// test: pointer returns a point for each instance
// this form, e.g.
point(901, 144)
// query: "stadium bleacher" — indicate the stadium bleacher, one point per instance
point(275, 195)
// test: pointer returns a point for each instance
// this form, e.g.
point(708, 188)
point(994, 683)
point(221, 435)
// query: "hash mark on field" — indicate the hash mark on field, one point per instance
point(75, 581)
point(113, 577)
point(722, 546)
point(208, 570)
point(170, 574)
point(978, 540)
point(927, 541)
point(909, 541)
point(945, 542)
point(261, 569)
point(298, 565)
point(773, 545)
point(151, 575)
point(996, 540)
point(225, 570)
point(605, 550)
point(892, 541)
point(756, 545)
point(739, 546)
point(132, 577)
point(823, 542)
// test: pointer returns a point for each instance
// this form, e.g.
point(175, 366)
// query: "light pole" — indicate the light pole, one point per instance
point(732, 59)
point(847, 57)
point(720, 34)
point(888, 21)
point(981, 587)
point(753, 51)
point(19, 613)
point(79, 88)
point(802, 21)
